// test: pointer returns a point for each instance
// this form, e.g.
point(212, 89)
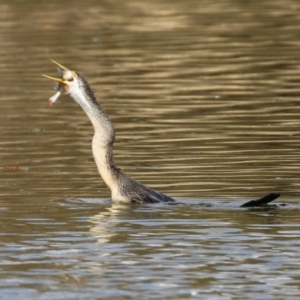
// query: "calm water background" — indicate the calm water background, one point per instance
point(204, 96)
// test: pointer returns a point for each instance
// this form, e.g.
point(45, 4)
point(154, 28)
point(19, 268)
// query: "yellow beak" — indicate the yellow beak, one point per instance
point(56, 78)
point(58, 64)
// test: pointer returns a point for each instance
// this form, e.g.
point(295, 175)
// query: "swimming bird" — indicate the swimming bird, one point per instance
point(123, 188)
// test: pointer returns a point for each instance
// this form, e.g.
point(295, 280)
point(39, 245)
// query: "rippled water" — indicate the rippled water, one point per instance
point(204, 98)
point(82, 249)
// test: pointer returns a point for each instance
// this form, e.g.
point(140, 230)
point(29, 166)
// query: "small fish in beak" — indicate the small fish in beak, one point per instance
point(60, 81)
point(59, 89)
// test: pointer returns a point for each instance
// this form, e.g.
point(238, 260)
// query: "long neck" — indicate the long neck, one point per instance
point(104, 135)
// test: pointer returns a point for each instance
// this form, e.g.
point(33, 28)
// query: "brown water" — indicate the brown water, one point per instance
point(204, 98)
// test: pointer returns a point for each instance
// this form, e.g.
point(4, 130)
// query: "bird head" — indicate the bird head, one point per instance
point(67, 81)
point(74, 84)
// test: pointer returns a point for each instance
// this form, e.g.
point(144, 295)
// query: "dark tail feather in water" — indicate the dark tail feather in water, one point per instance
point(262, 201)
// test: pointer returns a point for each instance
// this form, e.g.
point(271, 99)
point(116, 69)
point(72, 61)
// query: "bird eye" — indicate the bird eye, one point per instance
point(68, 75)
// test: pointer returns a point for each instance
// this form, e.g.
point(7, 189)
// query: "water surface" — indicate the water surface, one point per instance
point(204, 99)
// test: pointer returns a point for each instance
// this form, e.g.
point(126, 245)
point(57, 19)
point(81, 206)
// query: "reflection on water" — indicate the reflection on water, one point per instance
point(204, 99)
point(85, 249)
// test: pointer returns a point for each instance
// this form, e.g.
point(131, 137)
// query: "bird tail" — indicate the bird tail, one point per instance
point(262, 201)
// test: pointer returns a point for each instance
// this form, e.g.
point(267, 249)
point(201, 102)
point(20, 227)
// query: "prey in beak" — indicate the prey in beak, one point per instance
point(61, 82)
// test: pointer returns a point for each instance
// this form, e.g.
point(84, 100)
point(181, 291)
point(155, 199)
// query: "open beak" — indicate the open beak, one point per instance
point(56, 78)
point(61, 84)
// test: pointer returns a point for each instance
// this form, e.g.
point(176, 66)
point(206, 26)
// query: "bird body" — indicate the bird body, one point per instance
point(123, 188)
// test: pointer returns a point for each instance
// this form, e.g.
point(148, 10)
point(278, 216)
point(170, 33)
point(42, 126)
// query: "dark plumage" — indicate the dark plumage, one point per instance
point(262, 201)
point(123, 188)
